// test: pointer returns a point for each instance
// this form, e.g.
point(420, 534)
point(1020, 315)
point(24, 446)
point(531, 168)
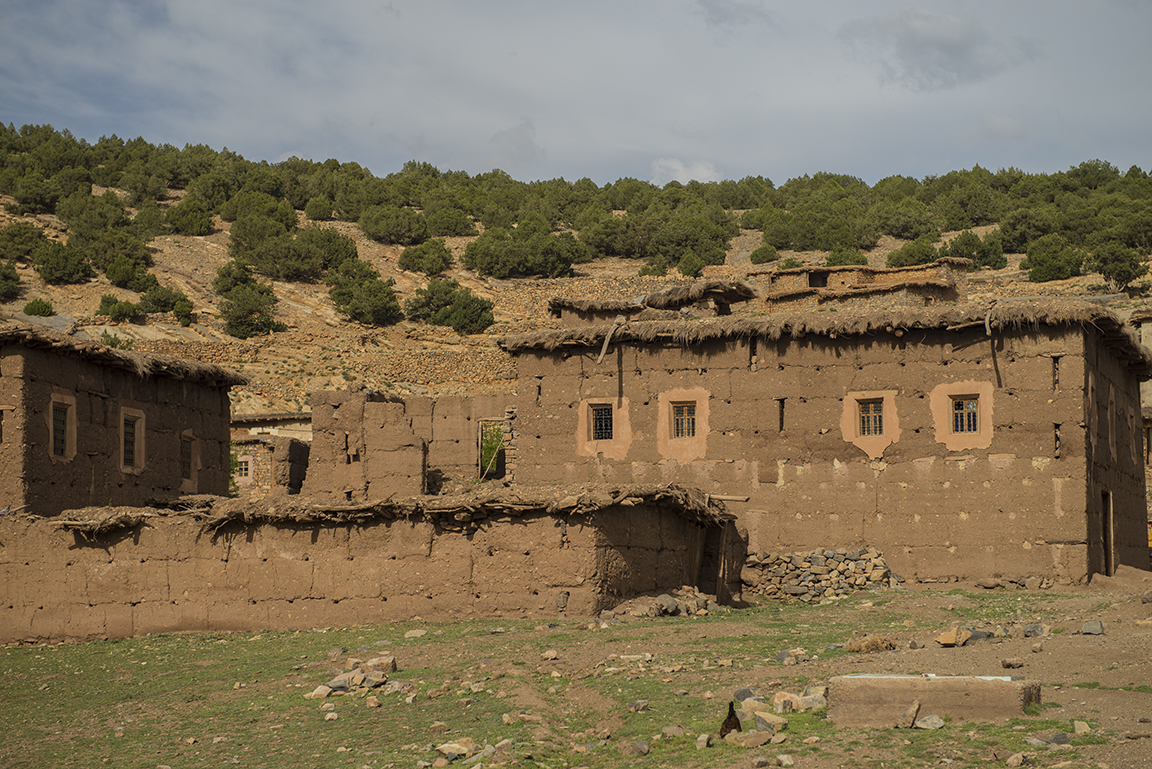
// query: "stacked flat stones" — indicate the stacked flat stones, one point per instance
point(816, 574)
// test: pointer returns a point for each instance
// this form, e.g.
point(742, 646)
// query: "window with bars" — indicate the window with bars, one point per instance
point(60, 429)
point(966, 414)
point(601, 423)
point(130, 436)
point(242, 469)
point(186, 446)
point(683, 420)
point(871, 413)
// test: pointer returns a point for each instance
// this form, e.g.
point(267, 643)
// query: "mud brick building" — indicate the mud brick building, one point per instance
point(963, 441)
point(84, 424)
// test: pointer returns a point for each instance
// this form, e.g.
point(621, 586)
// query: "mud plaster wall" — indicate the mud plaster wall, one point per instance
point(172, 575)
point(91, 473)
point(1116, 472)
point(1014, 506)
point(369, 445)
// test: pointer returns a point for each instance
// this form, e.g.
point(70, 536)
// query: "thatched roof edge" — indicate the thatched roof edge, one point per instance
point(861, 290)
point(942, 261)
point(40, 338)
point(1005, 315)
point(674, 297)
point(456, 512)
point(278, 416)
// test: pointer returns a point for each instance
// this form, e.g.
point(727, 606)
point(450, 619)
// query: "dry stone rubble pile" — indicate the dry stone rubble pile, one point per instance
point(816, 574)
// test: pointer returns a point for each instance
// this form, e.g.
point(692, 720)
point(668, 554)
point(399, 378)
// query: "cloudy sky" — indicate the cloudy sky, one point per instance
point(651, 89)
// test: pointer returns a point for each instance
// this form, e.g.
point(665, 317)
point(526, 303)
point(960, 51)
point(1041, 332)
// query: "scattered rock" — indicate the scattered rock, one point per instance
point(319, 693)
point(954, 637)
point(1037, 647)
point(1037, 630)
point(550, 654)
point(761, 761)
point(1060, 738)
point(703, 741)
point(1016, 759)
point(1011, 663)
point(930, 722)
point(869, 645)
point(673, 731)
point(330, 716)
point(1080, 727)
point(784, 759)
point(438, 727)
point(908, 719)
point(989, 583)
point(1092, 627)
point(416, 633)
point(639, 706)
point(633, 748)
point(749, 739)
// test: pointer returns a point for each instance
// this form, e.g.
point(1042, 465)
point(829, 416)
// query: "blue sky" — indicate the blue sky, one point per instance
point(651, 89)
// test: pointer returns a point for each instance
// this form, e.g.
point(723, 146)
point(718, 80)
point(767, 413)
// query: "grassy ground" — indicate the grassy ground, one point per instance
point(559, 691)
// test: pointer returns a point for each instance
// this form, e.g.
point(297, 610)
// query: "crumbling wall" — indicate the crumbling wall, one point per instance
point(92, 471)
point(1013, 505)
point(173, 574)
point(369, 445)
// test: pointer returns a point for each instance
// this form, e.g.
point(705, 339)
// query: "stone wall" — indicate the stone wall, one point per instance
point(780, 439)
point(173, 573)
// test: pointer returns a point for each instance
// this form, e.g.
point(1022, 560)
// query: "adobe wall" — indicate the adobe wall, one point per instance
point(276, 465)
point(1003, 502)
point(171, 574)
point(368, 445)
point(92, 474)
point(1116, 470)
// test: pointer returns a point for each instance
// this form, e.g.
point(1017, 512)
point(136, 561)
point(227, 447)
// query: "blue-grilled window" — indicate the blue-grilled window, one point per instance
point(966, 414)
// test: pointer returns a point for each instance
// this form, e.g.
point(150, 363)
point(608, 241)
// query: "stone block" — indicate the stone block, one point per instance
point(879, 701)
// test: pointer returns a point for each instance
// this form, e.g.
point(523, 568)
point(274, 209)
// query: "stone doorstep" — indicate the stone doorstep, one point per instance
point(879, 701)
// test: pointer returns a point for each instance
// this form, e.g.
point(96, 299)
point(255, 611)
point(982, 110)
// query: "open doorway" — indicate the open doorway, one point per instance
point(1107, 534)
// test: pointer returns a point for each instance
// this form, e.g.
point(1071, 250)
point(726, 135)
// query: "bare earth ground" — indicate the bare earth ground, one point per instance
point(560, 690)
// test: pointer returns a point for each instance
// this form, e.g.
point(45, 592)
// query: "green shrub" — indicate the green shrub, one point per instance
point(118, 309)
point(842, 256)
point(247, 310)
point(1119, 265)
point(161, 299)
point(443, 302)
point(431, 257)
point(451, 221)
point(393, 224)
point(919, 251)
point(59, 264)
point(318, 208)
point(9, 281)
point(115, 341)
point(125, 273)
point(1051, 257)
point(766, 253)
point(372, 302)
point(183, 312)
point(19, 240)
point(691, 265)
point(189, 217)
point(790, 264)
point(39, 307)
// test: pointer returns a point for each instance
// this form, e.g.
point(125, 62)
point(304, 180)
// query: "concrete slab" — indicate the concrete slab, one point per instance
point(865, 700)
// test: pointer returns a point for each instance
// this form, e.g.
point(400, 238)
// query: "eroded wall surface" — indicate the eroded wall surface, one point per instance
point(369, 445)
point(173, 574)
point(92, 470)
point(1014, 497)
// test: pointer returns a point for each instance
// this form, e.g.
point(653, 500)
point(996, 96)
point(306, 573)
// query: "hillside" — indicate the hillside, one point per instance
point(321, 349)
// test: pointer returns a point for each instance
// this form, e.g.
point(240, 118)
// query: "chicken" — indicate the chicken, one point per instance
point(731, 723)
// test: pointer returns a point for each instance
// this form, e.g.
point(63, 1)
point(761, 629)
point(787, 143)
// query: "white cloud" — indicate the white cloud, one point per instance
point(925, 50)
point(665, 170)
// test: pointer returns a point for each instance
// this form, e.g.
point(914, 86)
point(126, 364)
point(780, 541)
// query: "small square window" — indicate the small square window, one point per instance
point(601, 423)
point(683, 420)
point(242, 468)
point(966, 414)
point(871, 417)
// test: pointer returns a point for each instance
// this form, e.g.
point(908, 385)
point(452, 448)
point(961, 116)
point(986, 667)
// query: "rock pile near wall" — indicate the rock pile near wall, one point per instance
point(816, 574)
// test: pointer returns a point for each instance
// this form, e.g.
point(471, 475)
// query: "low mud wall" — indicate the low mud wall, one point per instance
point(176, 572)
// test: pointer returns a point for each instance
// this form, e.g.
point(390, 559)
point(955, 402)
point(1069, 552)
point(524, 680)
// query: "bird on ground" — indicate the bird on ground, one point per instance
point(731, 723)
